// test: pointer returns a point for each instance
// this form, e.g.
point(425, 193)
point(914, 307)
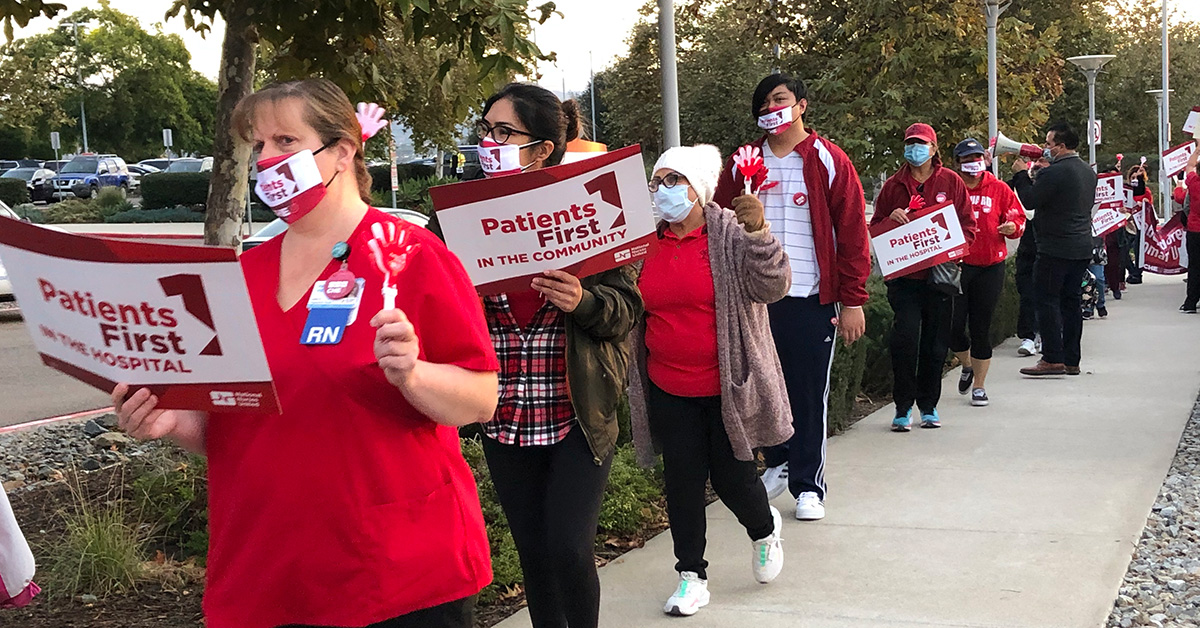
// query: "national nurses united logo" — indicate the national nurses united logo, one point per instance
point(941, 197)
point(800, 199)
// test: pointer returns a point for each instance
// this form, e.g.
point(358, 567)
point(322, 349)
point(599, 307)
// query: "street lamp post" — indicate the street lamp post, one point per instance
point(1163, 184)
point(992, 9)
point(670, 78)
point(1090, 66)
point(79, 73)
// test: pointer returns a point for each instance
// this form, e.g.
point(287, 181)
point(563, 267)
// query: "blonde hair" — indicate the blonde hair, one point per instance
point(326, 109)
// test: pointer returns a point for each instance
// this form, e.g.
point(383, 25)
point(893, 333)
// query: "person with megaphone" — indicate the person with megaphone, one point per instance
point(1062, 197)
point(1025, 170)
point(921, 328)
point(998, 215)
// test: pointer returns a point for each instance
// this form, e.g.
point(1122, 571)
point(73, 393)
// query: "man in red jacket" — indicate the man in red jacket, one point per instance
point(921, 327)
point(814, 203)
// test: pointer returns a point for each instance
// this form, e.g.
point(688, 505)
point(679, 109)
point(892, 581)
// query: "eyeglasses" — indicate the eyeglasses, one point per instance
point(670, 181)
point(499, 133)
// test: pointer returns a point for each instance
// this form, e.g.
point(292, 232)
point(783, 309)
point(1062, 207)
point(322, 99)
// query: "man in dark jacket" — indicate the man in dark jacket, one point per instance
point(1062, 200)
point(1021, 182)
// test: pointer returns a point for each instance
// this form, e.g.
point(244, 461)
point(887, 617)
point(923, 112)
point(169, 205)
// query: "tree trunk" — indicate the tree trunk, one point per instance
point(231, 155)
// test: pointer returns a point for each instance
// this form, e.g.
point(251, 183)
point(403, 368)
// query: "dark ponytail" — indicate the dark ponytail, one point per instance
point(574, 126)
point(540, 112)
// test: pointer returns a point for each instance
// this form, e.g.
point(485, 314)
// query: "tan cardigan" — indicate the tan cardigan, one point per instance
point(749, 270)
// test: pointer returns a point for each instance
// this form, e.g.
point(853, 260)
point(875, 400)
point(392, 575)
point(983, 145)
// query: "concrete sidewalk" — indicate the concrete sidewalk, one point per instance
point(1020, 514)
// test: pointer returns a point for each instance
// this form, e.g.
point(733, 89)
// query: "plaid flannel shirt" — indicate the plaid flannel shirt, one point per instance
point(535, 404)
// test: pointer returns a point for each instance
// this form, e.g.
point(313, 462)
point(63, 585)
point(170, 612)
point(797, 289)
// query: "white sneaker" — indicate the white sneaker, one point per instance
point(768, 552)
point(1037, 343)
point(776, 480)
point(809, 507)
point(690, 596)
point(1027, 348)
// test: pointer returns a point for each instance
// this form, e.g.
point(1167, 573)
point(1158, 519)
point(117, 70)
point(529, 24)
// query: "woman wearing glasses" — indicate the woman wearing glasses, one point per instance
point(706, 384)
point(563, 360)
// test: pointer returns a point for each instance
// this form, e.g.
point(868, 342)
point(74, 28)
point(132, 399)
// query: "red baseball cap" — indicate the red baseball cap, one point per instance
point(921, 131)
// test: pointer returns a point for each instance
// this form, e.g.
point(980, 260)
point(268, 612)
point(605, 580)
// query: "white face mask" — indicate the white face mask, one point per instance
point(776, 121)
point(974, 167)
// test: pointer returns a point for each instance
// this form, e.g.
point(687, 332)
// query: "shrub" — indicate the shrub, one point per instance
point(631, 497)
point(111, 197)
point(165, 214)
point(73, 211)
point(169, 189)
point(381, 176)
point(13, 192)
point(506, 564)
point(414, 193)
point(172, 497)
point(100, 552)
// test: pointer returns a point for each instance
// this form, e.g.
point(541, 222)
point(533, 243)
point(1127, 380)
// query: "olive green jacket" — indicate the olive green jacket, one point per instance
point(598, 353)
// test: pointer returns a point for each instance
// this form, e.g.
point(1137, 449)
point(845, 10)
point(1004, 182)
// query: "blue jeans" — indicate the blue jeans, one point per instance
point(1101, 287)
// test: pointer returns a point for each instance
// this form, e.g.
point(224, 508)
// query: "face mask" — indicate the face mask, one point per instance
point(1047, 154)
point(498, 160)
point(973, 167)
point(917, 154)
point(291, 184)
point(776, 121)
point(673, 203)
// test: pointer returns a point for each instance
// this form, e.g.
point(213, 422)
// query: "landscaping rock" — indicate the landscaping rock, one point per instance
point(109, 440)
point(93, 429)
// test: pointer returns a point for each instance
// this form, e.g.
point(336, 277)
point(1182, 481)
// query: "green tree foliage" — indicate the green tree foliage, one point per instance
point(136, 83)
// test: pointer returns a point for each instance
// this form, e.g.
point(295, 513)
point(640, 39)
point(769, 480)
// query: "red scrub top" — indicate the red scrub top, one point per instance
point(350, 507)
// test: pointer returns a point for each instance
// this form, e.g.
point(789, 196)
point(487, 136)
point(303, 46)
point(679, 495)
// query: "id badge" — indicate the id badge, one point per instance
point(328, 318)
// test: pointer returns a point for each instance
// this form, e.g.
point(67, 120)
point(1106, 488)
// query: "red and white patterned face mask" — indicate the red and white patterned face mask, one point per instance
point(498, 160)
point(291, 184)
point(776, 120)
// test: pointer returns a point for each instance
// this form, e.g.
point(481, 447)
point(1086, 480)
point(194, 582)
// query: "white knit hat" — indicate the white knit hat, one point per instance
point(701, 164)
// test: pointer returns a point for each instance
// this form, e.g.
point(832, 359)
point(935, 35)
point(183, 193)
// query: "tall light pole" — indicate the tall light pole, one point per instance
point(592, 73)
point(992, 9)
point(1090, 66)
point(79, 72)
point(1165, 112)
point(1164, 187)
point(670, 78)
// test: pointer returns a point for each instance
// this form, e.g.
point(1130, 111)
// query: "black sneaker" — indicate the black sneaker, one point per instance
point(1186, 309)
point(979, 397)
point(1087, 315)
point(964, 380)
point(1103, 312)
point(1117, 294)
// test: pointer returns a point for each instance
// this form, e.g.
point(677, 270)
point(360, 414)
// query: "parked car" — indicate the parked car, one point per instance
point(28, 163)
point(38, 180)
point(161, 164)
point(136, 172)
point(86, 174)
point(6, 165)
point(6, 293)
point(276, 227)
point(55, 165)
point(191, 164)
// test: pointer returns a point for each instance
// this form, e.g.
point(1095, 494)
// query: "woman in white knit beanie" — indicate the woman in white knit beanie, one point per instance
point(705, 383)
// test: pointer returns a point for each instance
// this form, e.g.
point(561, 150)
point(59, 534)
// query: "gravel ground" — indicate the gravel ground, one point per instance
point(36, 455)
point(1162, 586)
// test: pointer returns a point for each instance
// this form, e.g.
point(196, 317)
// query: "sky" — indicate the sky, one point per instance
point(591, 33)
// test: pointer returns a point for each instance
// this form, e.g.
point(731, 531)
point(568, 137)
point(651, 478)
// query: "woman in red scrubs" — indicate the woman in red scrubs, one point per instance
point(354, 506)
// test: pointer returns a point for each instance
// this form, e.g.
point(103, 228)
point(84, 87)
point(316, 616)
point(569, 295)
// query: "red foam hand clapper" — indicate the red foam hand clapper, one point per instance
point(390, 248)
point(748, 160)
point(370, 118)
point(916, 201)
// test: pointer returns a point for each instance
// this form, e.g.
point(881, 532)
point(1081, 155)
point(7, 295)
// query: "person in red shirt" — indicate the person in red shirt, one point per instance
point(563, 365)
point(706, 384)
point(353, 506)
point(998, 215)
point(1192, 181)
point(921, 327)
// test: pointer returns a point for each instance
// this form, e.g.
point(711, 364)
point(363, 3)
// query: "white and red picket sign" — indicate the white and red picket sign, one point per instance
point(584, 218)
point(1165, 253)
point(933, 236)
point(1107, 219)
point(174, 319)
point(1176, 159)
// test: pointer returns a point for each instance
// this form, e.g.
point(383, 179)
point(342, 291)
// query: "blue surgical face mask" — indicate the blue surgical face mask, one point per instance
point(1046, 153)
point(673, 203)
point(917, 154)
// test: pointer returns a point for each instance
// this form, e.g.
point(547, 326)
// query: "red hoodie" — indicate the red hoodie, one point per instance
point(994, 203)
point(943, 185)
point(838, 209)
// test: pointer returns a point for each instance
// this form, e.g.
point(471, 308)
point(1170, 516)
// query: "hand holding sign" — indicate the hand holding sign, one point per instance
point(749, 162)
point(390, 251)
point(370, 118)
